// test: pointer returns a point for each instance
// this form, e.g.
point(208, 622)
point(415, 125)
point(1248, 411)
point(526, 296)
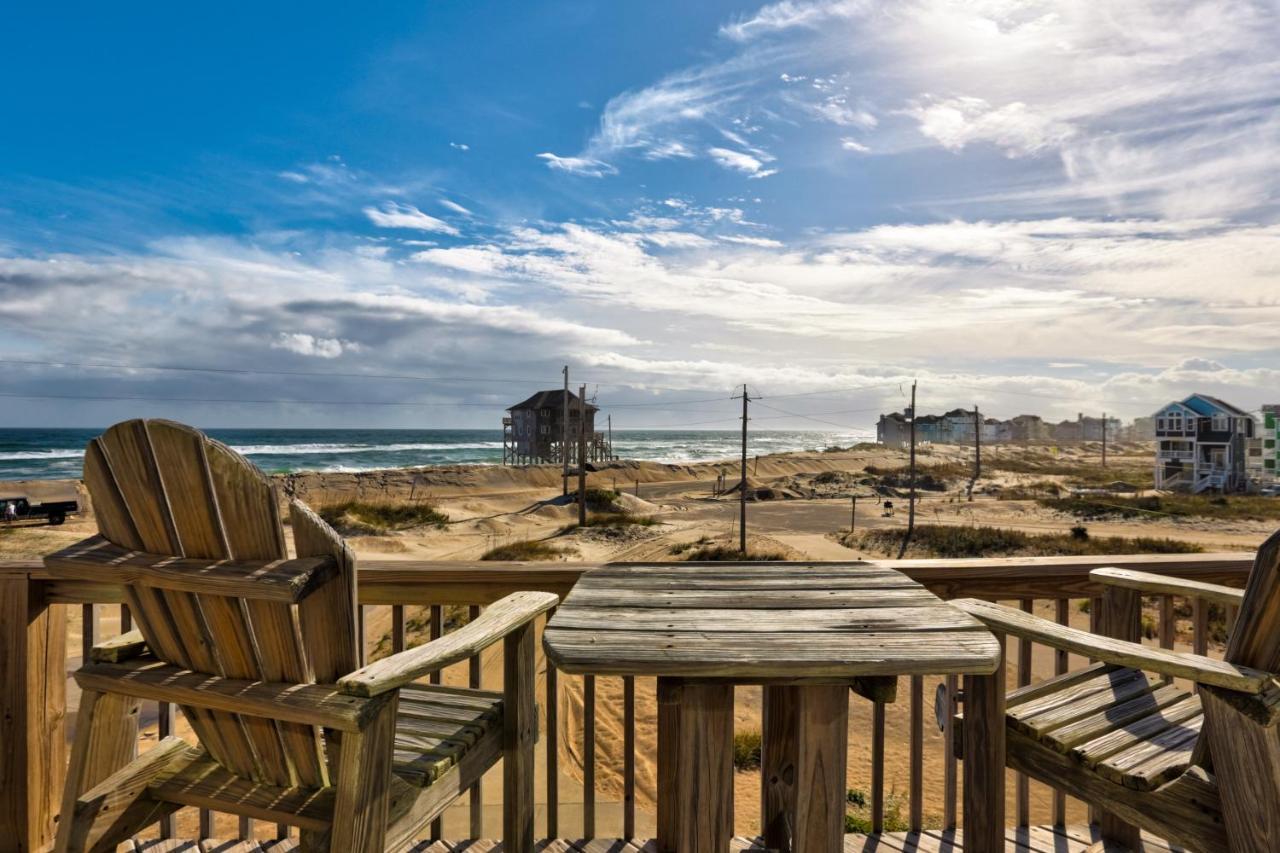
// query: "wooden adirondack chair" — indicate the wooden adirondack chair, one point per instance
point(1201, 770)
point(261, 653)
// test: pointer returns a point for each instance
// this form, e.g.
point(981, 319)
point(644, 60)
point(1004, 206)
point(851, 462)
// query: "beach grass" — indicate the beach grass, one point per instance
point(959, 542)
point(529, 549)
point(1227, 507)
point(375, 518)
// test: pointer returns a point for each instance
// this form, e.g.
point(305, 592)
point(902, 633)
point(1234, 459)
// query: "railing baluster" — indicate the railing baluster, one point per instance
point(588, 757)
point(916, 779)
point(877, 767)
point(361, 646)
point(397, 628)
point(1200, 619)
point(1062, 614)
point(126, 619)
point(88, 631)
point(553, 748)
point(628, 757)
point(950, 764)
point(1022, 782)
point(477, 793)
point(437, 631)
point(206, 824)
point(244, 829)
point(1232, 613)
point(1168, 627)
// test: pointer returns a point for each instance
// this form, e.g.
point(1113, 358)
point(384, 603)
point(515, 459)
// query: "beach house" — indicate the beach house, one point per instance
point(534, 430)
point(1201, 444)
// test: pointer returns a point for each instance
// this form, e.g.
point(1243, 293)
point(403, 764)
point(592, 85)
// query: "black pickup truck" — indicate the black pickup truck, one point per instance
point(55, 511)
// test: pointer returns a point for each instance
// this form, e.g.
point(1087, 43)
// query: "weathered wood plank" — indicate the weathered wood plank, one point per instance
point(1149, 583)
point(1177, 664)
point(849, 619)
point(315, 704)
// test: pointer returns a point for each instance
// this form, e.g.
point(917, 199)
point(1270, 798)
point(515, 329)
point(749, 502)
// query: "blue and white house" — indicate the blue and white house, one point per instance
point(1201, 444)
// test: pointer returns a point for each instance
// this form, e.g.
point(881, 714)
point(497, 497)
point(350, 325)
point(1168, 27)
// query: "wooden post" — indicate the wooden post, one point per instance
point(853, 515)
point(33, 760)
point(1104, 439)
point(695, 766)
point(582, 456)
point(977, 451)
point(1121, 619)
point(802, 773)
point(564, 435)
point(519, 733)
point(911, 511)
point(984, 757)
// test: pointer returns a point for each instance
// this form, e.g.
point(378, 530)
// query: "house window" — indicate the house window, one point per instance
point(1269, 443)
point(1269, 463)
point(1221, 423)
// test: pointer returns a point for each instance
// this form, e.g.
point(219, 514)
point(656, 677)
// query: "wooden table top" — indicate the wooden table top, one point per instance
point(762, 621)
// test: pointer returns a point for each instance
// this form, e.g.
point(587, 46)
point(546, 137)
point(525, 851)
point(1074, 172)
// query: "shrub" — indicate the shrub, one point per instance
point(362, 517)
point(1080, 532)
point(725, 553)
point(529, 549)
point(746, 750)
point(958, 542)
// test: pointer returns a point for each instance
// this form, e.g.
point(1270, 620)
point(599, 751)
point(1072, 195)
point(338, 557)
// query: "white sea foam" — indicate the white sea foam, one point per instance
point(44, 454)
point(330, 449)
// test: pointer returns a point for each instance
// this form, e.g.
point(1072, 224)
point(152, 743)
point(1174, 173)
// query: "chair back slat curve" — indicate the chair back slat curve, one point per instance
point(167, 489)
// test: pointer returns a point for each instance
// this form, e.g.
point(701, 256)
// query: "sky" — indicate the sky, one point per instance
point(415, 215)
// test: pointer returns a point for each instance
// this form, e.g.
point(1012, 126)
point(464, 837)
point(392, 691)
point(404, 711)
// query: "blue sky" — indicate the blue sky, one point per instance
point(1035, 205)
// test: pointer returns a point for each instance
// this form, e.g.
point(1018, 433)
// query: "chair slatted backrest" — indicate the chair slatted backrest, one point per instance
point(1255, 640)
point(165, 488)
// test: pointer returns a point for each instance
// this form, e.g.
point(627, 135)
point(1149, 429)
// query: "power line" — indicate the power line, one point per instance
point(125, 397)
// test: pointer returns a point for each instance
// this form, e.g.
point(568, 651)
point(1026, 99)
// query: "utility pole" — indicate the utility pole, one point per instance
point(853, 514)
point(742, 487)
point(977, 450)
point(911, 511)
point(582, 456)
point(610, 420)
point(564, 436)
point(1104, 439)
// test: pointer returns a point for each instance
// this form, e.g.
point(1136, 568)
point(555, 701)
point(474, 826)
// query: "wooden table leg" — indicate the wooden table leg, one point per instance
point(984, 760)
point(804, 753)
point(695, 766)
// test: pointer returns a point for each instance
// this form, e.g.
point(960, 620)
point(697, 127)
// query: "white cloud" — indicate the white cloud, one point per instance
point(957, 122)
point(304, 344)
point(461, 146)
point(740, 161)
point(455, 207)
point(396, 215)
point(850, 144)
point(758, 242)
point(585, 166)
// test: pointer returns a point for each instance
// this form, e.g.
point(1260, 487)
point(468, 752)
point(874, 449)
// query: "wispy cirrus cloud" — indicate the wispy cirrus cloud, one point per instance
point(398, 215)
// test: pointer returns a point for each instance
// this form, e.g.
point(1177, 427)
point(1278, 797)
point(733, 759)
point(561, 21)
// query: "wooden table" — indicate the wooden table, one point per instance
point(806, 631)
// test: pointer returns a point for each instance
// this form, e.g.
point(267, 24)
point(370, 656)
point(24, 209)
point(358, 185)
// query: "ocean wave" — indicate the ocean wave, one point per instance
point(43, 454)
point(331, 449)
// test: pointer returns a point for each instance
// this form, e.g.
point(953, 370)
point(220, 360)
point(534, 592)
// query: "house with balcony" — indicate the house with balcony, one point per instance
point(1202, 444)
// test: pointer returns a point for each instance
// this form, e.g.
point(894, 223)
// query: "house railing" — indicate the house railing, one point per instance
point(34, 724)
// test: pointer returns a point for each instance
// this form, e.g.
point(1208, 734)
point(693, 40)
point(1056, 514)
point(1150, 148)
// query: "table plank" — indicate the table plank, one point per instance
point(740, 582)
point(844, 619)
point(736, 599)
point(762, 655)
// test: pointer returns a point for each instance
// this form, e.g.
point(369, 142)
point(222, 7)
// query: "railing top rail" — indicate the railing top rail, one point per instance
point(475, 582)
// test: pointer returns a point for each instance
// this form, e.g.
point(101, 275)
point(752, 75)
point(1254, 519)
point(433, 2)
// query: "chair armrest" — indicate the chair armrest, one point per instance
point(1202, 670)
point(498, 620)
point(127, 646)
point(1153, 584)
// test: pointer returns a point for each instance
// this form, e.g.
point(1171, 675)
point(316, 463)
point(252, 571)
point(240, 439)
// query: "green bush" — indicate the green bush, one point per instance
point(1234, 507)
point(363, 517)
point(529, 549)
point(959, 542)
point(725, 553)
point(746, 750)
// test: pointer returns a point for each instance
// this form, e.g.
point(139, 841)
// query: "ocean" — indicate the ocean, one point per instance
point(50, 454)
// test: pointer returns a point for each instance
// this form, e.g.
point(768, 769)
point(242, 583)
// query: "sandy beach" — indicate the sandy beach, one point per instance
point(804, 504)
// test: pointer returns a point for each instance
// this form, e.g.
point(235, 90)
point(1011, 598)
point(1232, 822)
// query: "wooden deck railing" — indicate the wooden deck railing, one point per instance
point(33, 664)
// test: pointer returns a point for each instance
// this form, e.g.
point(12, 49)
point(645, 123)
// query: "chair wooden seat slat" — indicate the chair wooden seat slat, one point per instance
point(1202, 769)
point(251, 645)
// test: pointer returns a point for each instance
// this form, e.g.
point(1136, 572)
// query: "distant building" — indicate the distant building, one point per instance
point(1270, 440)
point(1142, 429)
point(533, 432)
point(893, 430)
point(1202, 443)
point(1028, 428)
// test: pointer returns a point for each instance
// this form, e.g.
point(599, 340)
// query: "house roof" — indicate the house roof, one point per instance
point(553, 399)
point(1203, 404)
